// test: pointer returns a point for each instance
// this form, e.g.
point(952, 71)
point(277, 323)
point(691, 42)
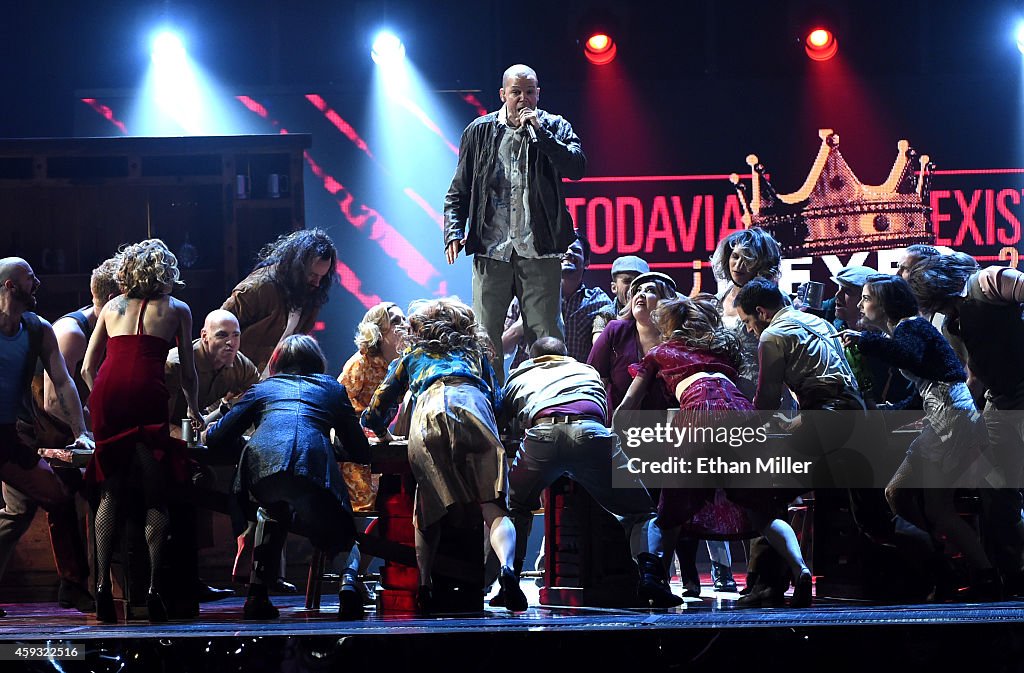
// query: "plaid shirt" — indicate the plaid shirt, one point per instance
point(578, 312)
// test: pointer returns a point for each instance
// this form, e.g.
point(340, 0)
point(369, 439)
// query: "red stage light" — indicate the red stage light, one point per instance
point(600, 49)
point(821, 44)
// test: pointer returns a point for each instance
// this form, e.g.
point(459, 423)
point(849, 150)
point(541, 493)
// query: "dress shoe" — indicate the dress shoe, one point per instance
point(105, 606)
point(515, 599)
point(259, 607)
point(73, 595)
point(283, 586)
point(691, 589)
point(762, 596)
point(802, 591)
point(207, 594)
point(156, 608)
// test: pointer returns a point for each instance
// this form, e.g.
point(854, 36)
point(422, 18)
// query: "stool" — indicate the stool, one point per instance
point(317, 575)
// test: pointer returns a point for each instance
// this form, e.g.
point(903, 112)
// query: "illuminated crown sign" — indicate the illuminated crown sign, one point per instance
point(834, 213)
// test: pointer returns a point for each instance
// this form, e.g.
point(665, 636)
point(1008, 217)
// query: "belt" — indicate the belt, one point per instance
point(571, 418)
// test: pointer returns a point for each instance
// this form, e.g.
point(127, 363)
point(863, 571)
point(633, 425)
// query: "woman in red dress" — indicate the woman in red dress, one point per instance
point(128, 404)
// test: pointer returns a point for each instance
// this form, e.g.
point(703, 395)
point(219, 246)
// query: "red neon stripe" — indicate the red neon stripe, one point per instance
point(364, 218)
point(332, 116)
point(657, 178)
point(658, 265)
point(475, 102)
point(422, 203)
point(351, 282)
point(253, 106)
point(105, 112)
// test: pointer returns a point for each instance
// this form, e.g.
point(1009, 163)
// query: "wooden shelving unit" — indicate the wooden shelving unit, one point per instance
point(69, 203)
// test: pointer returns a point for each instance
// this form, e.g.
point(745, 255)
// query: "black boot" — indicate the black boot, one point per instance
point(258, 605)
point(350, 602)
point(653, 588)
point(515, 599)
point(802, 591)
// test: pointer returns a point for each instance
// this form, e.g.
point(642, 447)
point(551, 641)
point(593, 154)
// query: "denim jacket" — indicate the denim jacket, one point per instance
point(556, 154)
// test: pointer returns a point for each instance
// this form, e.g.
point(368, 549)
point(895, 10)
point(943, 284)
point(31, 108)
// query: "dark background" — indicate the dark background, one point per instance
point(695, 88)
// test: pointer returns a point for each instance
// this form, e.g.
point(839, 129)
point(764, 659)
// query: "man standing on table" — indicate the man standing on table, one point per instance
point(505, 206)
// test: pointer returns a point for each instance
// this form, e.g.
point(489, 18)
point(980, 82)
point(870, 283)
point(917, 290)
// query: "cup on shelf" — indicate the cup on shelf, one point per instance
point(277, 185)
point(242, 186)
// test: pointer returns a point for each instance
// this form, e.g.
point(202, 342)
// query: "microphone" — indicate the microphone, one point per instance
point(532, 132)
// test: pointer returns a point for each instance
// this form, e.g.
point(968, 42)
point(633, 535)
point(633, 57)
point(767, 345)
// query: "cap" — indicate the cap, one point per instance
point(652, 275)
point(853, 276)
point(629, 264)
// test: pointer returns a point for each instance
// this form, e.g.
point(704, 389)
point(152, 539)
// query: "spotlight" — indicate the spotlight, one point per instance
point(168, 48)
point(600, 49)
point(387, 49)
point(821, 44)
point(1019, 34)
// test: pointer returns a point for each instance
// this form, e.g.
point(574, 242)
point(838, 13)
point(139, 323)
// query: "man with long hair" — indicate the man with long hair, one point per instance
point(283, 294)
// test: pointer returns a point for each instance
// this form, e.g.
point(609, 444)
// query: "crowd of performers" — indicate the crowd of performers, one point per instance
point(302, 435)
point(540, 357)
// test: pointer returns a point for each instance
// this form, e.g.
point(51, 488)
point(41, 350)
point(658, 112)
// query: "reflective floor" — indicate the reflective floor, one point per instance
point(708, 630)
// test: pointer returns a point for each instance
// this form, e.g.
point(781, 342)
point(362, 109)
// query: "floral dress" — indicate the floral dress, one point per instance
point(361, 375)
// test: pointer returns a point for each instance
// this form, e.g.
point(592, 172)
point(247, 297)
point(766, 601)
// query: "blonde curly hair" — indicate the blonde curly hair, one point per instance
point(372, 327)
point(443, 325)
point(146, 268)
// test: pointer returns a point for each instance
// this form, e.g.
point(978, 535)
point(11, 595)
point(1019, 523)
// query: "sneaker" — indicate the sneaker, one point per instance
point(515, 599)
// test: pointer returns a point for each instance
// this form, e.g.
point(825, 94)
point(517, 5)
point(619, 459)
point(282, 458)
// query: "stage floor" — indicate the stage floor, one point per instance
point(709, 630)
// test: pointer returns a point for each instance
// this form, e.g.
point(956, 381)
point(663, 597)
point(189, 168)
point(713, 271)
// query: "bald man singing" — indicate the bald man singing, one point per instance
point(224, 372)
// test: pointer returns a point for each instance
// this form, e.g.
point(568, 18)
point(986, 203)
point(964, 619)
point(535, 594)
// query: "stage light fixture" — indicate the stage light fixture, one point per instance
point(387, 49)
point(168, 48)
point(600, 48)
point(821, 44)
point(1019, 34)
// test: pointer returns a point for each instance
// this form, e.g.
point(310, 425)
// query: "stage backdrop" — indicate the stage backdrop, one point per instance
point(378, 171)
